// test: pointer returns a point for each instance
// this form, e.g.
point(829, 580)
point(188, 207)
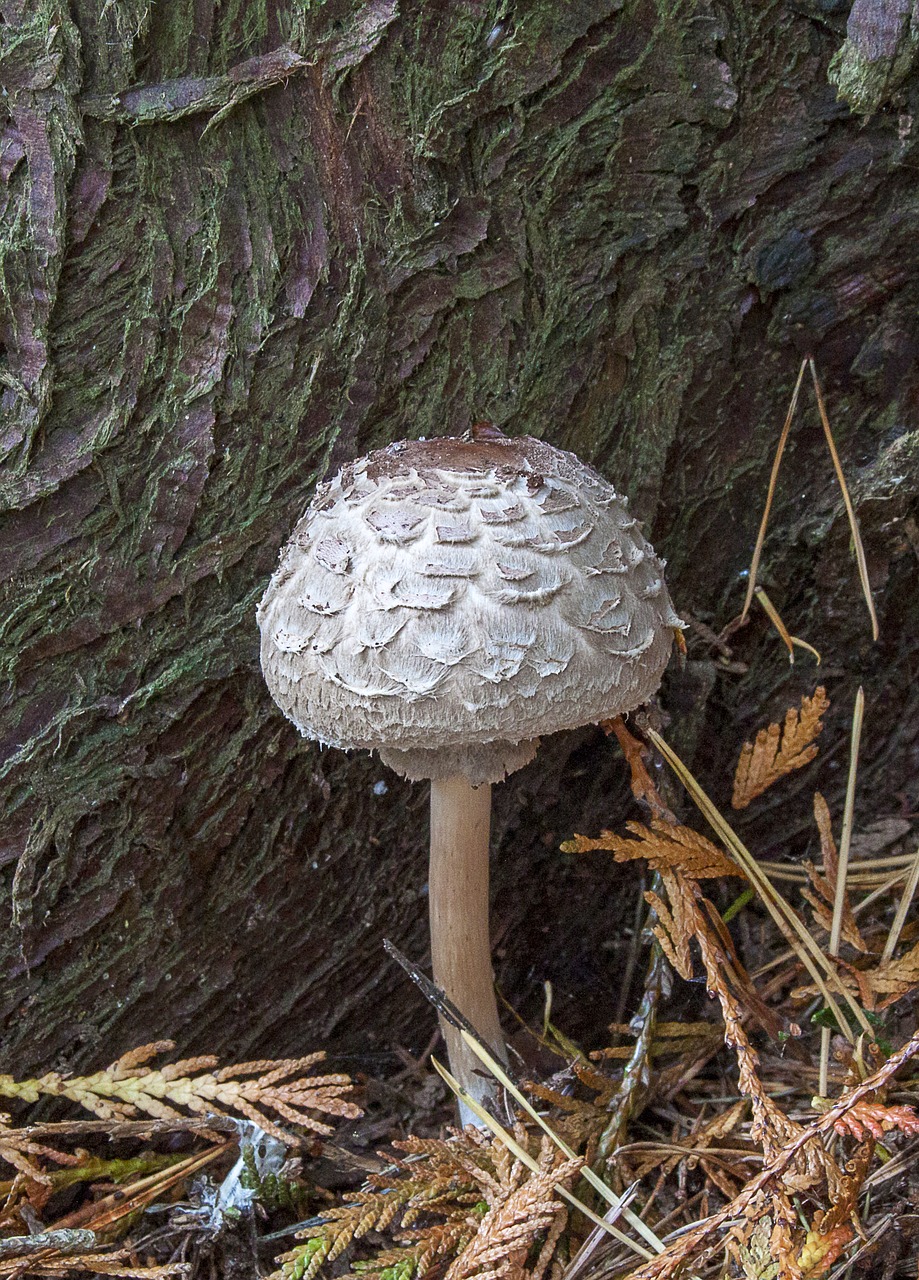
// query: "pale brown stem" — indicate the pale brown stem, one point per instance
point(460, 941)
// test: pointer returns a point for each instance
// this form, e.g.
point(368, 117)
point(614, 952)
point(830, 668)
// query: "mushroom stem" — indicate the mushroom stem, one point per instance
point(460, 941)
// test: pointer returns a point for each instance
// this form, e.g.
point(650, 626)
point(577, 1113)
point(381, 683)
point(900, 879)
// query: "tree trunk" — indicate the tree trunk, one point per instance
point(244, 242)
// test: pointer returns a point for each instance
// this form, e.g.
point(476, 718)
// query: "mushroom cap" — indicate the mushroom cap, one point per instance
point(447, 601)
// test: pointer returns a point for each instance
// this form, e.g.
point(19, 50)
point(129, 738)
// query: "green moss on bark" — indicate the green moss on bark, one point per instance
point(613, 225)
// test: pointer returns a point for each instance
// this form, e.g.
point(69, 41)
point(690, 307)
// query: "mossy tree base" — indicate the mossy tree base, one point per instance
point(243, 242)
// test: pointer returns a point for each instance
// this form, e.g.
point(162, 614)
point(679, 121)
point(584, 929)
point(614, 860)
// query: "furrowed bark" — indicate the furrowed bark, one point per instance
point(242, 243)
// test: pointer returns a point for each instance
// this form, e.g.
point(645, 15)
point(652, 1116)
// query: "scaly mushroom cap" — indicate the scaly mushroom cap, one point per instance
point(446, 601)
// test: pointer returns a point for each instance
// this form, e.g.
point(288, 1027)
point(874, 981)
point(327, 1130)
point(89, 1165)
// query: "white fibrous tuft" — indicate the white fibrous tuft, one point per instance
point(447, 602)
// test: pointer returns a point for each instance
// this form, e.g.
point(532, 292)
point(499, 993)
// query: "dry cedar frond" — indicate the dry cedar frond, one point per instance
point(465, 1200)
point(129, 1087)
point(440, 1180)
point(16, 1148)
point(782, 1240)
point(580, 1121)
point(822, 1248)
point(665, 846)
point(681, 857)
point(879, 987)
point(425, 1246)
point(889, 982)
point(875, 1119)
point(779, 750)
point(748, 1247)
point(514, 1221)
point(669, 1038)
point(751, 1202)
point(702, 1147)
point(823, 896)
point(50, 1263)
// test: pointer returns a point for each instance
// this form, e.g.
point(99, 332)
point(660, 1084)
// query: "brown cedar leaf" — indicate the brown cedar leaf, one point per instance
point(130, 1087)
point(890, 981)
point(823, 898)
point(822, 1248)
point(779, 750)
point(666, 847)
point(514, 1221)
point(880, 987)
point(864, 1118)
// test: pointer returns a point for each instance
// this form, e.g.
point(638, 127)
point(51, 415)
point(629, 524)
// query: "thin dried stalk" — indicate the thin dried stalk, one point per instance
point(788, 639)
point(909, 891)
point(850, 510)
point(842, 867)
point(770, 495)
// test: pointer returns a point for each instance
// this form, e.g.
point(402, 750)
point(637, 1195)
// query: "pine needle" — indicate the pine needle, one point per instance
point(845, 839)
point(869, 873)
point(822, 897)
point(778, 751)
point(770, 495)
point(850, 510)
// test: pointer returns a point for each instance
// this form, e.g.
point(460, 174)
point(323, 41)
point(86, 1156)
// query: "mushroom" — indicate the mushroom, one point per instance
point(446, 602)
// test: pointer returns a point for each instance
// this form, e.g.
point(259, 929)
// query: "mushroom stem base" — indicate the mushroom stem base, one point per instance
point(460, 940)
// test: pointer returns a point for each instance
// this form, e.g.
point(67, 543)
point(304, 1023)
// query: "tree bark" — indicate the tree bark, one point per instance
point(242, 243)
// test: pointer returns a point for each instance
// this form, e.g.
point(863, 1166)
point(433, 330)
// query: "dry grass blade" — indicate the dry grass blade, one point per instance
point(779, 750)
point(823, 896)
point(791, 926)
point(909, 892)
point(525, 1158)
point(773, 480)
point(842, 867)
point(845, 840)
point(788, 639)
point(850, 510)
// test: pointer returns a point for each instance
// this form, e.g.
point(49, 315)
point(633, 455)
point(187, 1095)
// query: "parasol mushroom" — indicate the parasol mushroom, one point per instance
point(445, 602)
